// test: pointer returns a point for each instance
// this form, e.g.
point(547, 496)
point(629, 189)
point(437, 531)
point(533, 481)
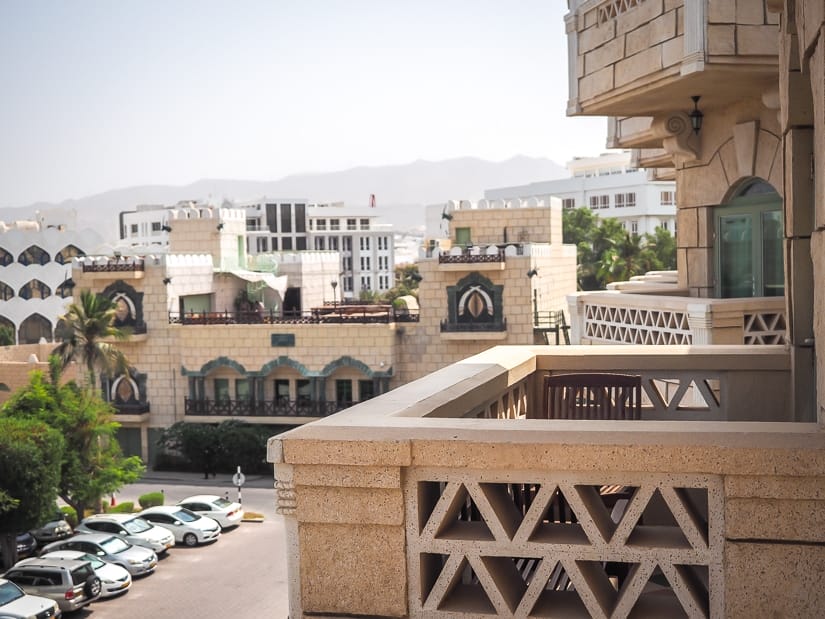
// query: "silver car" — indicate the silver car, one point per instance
point(131, 528)
point(72, 584)
point(16, 604)
point(137, 559)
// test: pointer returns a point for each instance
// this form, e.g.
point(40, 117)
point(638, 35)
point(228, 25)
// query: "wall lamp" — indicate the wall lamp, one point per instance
point(166, 228)
point(446, 216)
point(220, 226)
point(696, 115)
point(167, 280)
point(532, 273)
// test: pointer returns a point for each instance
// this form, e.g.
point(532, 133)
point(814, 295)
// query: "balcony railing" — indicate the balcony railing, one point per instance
point(114, 265)
point(264, 408)
point(627, 318)
point(470, 257)
point(351, 314)
point(473, 327)
point(450, 498)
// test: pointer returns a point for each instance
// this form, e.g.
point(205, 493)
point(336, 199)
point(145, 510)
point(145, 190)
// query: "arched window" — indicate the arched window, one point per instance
point(748, 244)
point(33, 255)
point(66, 289)
point(5, 258)
point(35, 289)
point(6, 292)
point(67, 253)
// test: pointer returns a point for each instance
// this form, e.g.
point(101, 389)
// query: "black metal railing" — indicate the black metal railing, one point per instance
point(354, 314)
point(468, 258)
point(114, 266)
point(263, 408)
point(137, 408)
point(473, 327)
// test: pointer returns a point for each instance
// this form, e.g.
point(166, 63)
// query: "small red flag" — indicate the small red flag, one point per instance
point(372, 200)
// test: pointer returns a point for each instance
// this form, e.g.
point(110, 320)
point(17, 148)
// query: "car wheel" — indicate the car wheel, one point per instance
point(190, 539)
point(92, 587)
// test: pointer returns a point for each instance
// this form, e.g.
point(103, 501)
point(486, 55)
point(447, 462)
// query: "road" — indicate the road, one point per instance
point(243, 574)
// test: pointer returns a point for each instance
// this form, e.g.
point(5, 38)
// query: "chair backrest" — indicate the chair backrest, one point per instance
point(591, 396)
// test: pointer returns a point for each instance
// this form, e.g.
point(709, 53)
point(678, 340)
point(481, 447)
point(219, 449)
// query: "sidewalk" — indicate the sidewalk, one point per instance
point(196, 479)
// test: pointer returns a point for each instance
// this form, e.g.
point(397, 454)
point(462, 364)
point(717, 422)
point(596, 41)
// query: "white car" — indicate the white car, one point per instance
point(14, 604)
point(224, 512)
point(186, 526)
point(114, 578)
point(131, 528)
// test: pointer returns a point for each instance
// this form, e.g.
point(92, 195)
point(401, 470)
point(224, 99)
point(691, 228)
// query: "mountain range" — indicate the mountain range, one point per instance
point(401, 191)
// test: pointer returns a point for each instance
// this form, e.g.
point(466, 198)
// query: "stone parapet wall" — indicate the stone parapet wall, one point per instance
point(380, 488)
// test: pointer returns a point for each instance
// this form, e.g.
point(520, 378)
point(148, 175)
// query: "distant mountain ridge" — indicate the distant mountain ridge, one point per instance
point(401, 191)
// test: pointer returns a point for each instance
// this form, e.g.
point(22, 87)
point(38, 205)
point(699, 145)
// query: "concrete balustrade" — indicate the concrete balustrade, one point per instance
point(404, 506)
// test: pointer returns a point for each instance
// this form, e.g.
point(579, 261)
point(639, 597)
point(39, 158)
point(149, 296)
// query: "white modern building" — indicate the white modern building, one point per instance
point(366, 247)
point(611, 186)
point(36, 272)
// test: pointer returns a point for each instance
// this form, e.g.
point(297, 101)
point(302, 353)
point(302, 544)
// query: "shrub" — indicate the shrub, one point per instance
point(151, 499)
point(127, 507)
point(70, 515)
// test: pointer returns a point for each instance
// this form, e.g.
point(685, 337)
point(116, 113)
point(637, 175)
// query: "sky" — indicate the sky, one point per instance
point(99, 95)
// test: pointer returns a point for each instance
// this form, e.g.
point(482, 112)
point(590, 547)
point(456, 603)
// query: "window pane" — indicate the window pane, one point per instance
point(735, 255)
point(282, 389)
point(366, 390)
point(343, 391)
point(221, 386)
point(242, 389)
point(303, 390)
point(773, 276)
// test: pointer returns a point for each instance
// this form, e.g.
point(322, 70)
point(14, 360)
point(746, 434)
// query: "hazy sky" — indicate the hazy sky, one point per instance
point(98, 95)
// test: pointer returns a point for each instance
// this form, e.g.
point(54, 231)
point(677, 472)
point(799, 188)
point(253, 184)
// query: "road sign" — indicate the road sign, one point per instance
point(239, 479)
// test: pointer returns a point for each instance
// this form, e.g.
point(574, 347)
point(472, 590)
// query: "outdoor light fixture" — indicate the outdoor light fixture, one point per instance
point(220, 226)
point(532, 273)
point(447, 216)
point(696, 115)
point(167, 280)
point(166, 228)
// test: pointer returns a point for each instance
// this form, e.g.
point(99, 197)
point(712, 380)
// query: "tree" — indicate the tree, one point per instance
point(606, 252)
point(228, 444)
point(92, 465)
point(407, 278)
point(87, 324)
point(6, 335)
point(30, 456)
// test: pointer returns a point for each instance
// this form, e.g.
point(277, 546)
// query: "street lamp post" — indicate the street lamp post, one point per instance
point(334, 285)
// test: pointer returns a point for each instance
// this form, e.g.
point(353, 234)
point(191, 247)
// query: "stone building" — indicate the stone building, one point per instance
point(469, 492)
point(217, 334)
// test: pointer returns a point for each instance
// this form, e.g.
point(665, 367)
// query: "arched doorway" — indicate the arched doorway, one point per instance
point(748, 244)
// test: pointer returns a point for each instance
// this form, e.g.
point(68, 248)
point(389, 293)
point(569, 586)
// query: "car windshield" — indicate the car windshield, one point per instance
point(221, 503)
point(184, 515)
point(114, 545)
point(9, 592)
point(137, 525)
point(96, 562)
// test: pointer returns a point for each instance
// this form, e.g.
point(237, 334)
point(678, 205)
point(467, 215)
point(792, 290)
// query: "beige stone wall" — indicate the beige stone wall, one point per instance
point(620, 44)
point(423, 348)
point(736, 143)
point(519, 225)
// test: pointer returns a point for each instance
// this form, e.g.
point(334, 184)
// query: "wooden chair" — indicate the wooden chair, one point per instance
point(591, 396)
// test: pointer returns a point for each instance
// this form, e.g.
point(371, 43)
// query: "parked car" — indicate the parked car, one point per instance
point(17, 604)
point(26, 545)
point(136, 559)
point(224, 512)
point(131, 528)
point(52, 530)
point(187, 527)
point(72, 584)
point(115, 579)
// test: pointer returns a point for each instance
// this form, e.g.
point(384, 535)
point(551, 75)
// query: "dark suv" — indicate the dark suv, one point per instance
point(72, 584)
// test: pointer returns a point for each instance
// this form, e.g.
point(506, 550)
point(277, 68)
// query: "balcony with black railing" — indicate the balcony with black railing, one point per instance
point(336, 314)
point(262, 408)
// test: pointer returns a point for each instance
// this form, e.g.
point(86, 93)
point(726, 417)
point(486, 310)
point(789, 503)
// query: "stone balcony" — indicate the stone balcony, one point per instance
point(639, 57)
point(627, 318)
point(443, 499)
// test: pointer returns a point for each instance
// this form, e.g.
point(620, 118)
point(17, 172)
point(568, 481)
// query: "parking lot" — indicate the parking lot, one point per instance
point(243, 574)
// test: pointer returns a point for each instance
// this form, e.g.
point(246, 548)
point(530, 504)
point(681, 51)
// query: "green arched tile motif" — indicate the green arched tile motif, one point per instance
point(347, 361)
point(220, 362)
point(283, 360)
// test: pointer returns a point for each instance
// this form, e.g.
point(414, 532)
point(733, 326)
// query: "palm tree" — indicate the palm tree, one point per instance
point(85, 325)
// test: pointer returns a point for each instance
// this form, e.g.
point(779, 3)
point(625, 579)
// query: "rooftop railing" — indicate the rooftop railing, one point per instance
point(329, 314)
